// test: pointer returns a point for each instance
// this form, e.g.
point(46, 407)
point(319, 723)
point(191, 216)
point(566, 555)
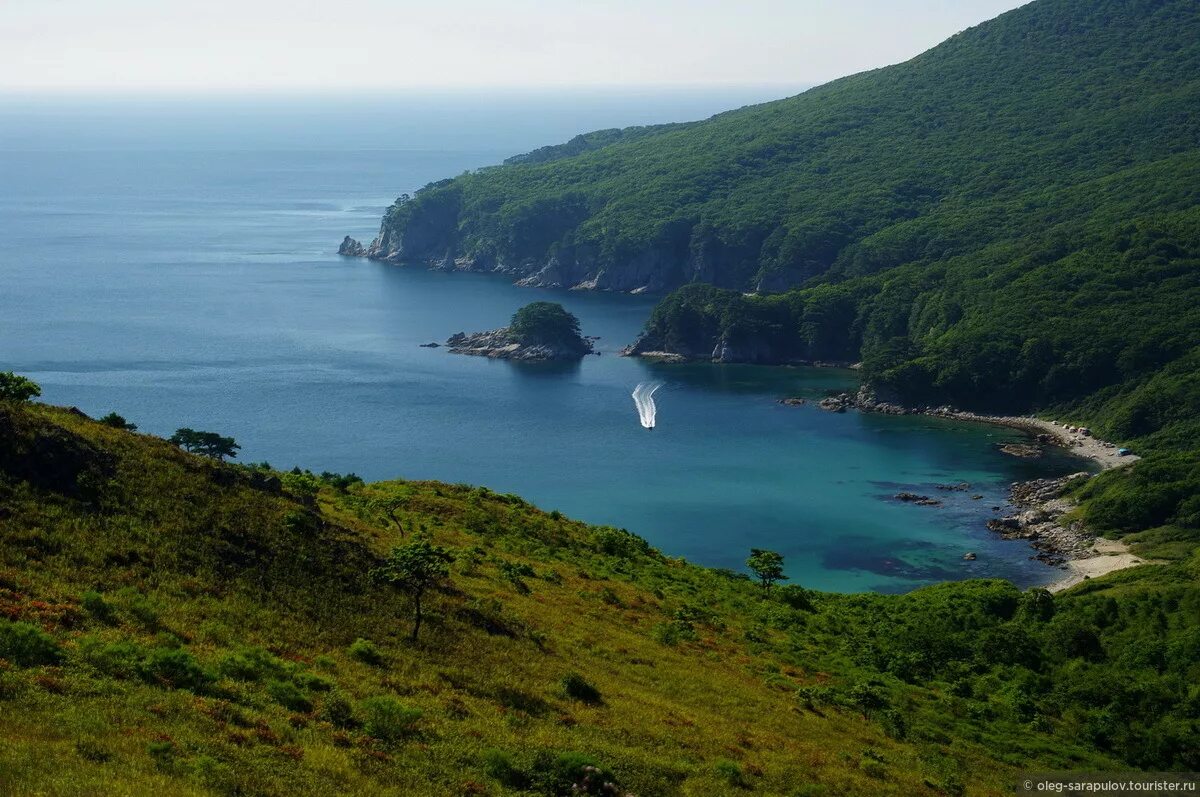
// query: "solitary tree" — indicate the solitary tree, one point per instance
point(390, 506)
point(414, 568)
point(118, 422)
point(209, 444)
point(767, 565)
point(14, 387)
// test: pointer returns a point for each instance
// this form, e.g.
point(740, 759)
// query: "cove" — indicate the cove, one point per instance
point(201, 289)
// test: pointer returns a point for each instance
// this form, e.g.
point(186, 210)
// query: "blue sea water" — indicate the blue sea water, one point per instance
point(175, 262)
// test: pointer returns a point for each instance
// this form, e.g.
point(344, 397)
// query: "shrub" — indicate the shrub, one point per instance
point(27, 645)
point(288, 695)
point(387, 719)
point(795, 596)
point(339, 711)
point(175, 668)
point(730, 773)
point(94, 604)
point(118, 422)
point(116, 659)
point(251, 664)
point(365, 651)
point(17, 388)
point(578, 688)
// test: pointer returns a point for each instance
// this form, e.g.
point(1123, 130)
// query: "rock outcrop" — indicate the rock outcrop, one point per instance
point(1039, 509)
point(500, 344)
point(351, 248)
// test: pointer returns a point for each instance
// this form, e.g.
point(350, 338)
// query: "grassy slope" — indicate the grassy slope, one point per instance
point(698, 674)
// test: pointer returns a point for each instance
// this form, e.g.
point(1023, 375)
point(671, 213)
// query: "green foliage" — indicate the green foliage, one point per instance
point(948, 688)
point(729, 772)
point(14, 387)
point(118, 422)
point(209, 444)
point(175, 668)
point(414, 568)
point(27, 645)
point(287, 694)
point(767, 566)
point(94, 604)
point(365, 651)
point(387, 719)
point(545, 323)
point(251, 664)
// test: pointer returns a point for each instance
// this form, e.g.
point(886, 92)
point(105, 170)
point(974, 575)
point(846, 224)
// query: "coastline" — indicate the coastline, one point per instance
point(1039, 504)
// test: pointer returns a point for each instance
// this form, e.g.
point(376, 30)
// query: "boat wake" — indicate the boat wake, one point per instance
point(643, 399)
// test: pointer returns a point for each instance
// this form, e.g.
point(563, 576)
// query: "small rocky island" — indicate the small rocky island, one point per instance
point(538, 332)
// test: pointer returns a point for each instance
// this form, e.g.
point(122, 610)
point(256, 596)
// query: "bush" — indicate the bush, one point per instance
point(116, 659)
point(251, 664)
point(365, 651)
point(730, 773)
point(288, 695)
point(578, 688)
point(175, 668)
point(17, 388)
point(118, 422)
point(339, 711)
point(27, 645)
point(94, 604)
point(387, 719)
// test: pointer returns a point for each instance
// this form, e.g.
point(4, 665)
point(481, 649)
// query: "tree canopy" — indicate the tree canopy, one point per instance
point(544, 322)
point(14, 387)
point(209, 444)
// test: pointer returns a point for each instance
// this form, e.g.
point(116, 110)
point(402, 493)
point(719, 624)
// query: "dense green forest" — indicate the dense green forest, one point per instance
point(1009, 222)
point(171, 623)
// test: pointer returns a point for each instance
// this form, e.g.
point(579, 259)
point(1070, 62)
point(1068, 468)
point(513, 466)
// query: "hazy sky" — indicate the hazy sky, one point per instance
point(253, 45)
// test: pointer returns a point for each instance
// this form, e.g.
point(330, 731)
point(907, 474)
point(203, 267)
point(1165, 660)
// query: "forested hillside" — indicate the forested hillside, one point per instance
point(1064, 114)
point(1008, 222)
point(172, 624)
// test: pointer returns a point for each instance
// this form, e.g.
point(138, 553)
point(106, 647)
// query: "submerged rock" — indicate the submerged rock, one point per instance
point(919, 500)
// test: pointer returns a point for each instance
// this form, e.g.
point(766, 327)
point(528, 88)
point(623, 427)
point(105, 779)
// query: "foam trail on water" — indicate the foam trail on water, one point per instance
point(643, 399)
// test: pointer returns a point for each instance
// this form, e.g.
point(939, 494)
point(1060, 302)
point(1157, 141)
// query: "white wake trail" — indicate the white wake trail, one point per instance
point(643, 399)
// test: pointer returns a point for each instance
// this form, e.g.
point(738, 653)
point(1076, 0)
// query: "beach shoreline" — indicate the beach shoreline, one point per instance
point(1039, 504)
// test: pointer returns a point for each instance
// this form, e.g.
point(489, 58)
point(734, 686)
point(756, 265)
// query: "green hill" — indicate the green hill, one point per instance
point(171, 624)
point(1009, 222)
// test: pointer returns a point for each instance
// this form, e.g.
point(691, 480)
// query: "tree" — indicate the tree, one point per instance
point(14, 387)
point(544, 322)
point(391, 506)
point(413, 569)
point(767, 565)
point(118, 422)
point(209, 444)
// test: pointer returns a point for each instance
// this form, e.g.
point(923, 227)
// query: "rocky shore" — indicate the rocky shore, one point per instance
point(1038, 507)
point(499, 344)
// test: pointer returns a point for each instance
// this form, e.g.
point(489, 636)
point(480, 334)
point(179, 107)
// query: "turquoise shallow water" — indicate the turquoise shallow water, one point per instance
point(200, 289)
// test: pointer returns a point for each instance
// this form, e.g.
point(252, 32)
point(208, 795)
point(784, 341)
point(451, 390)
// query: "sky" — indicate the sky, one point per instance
point(131, 46)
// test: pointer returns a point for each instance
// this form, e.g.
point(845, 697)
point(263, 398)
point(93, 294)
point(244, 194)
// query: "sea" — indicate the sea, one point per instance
point(173, 259)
